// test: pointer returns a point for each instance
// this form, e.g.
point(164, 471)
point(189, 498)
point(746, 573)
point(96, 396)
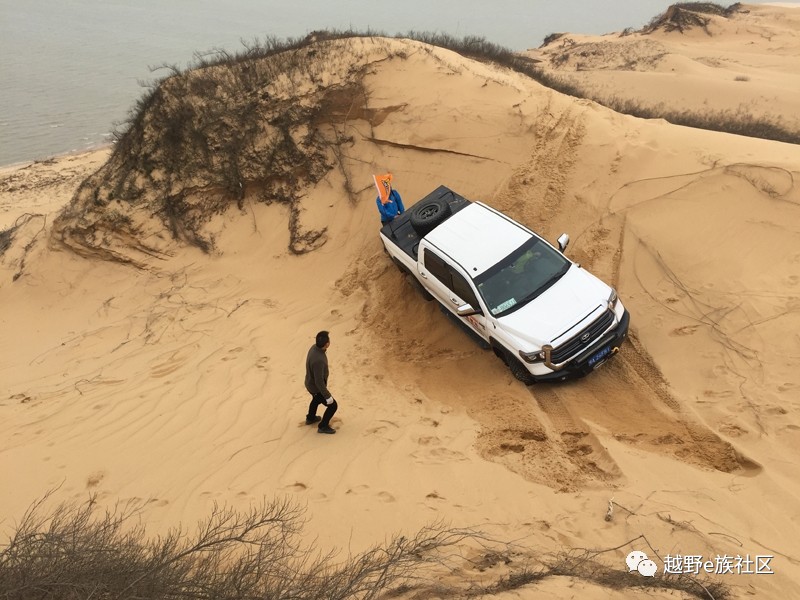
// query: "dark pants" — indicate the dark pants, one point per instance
point(330, 410)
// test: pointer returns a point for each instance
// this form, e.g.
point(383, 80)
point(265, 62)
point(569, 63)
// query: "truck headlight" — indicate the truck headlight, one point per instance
point(532, 357)
point(612, 300)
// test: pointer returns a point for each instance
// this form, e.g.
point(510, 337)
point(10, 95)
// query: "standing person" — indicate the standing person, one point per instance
point(317, 384)
point(389, 202)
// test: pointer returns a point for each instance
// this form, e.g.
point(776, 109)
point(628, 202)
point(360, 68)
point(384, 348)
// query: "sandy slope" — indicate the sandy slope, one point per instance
point(744, 64)
point(181, 384)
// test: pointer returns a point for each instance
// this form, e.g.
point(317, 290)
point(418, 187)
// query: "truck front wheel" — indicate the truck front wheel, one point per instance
point(518, 370)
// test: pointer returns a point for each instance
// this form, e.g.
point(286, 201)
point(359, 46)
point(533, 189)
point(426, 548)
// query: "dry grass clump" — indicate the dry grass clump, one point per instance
point(738, 122)
point(6, 237)
point(584, 565)
point(23, 234)
point(549, 39)
point(688, 15)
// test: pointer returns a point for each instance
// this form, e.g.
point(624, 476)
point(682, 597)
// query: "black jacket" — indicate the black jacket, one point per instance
point(317, 372)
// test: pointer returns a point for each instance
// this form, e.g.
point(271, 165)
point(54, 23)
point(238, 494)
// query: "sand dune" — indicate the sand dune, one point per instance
point(180, 383)
point(744, 63)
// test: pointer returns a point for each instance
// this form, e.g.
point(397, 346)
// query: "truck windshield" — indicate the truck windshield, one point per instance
point(521, 276)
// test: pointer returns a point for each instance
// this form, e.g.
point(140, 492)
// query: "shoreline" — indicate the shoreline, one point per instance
point(54, 158)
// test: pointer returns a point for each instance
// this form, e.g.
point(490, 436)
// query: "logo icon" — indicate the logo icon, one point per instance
point(585, 337)
point(638, 561)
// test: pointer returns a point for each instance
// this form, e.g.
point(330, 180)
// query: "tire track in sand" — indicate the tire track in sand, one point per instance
point(535, 192)
point(630, 400)
point(579, 444)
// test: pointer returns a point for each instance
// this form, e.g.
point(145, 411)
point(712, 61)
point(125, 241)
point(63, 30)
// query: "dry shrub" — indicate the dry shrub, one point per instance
point(78, 552)
point(6, 237)
point(688, 15)
point(259, 122)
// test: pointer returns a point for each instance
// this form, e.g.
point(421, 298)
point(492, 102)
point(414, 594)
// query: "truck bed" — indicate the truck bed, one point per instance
point(400, 231)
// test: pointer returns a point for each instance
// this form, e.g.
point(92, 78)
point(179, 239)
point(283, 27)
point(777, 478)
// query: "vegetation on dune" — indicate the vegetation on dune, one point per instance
point(261, 122)
point(687, 15)
point(263, 125)
point(738, 122)
point(79, 552)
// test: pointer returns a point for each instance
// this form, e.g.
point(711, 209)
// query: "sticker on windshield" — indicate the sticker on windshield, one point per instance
point(504, 306)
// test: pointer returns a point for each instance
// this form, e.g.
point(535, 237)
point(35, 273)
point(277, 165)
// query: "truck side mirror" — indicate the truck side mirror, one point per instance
point(466, 310)
point(563, 242)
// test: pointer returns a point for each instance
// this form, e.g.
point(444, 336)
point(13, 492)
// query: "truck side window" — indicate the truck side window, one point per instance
point(437, 267)
point(463, 290)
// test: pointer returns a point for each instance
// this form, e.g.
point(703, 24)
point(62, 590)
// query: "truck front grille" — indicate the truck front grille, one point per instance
point(582, 340)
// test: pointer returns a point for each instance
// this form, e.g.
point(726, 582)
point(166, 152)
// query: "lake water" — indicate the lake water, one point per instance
point(71, 69)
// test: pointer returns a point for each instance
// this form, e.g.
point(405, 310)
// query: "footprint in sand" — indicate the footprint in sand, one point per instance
point(232, 354)
point(381, 428)
point(386, 497)
point(685, 330)
point(262, 363)
point(157, 502)
point(437, 455)
point(717, 394)
point(448, 454)
point(516, 448)
point(95, 479)
point(296, 487)
point(732, 430)
point(535, 435)
point(428, 440)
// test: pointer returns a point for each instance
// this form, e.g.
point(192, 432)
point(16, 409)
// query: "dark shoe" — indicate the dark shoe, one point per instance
point(325, 429)
point(312, 420)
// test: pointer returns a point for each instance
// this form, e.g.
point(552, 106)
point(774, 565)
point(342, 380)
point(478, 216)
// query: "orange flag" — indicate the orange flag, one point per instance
point(384, 185)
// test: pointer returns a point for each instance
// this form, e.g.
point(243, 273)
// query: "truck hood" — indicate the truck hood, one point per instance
point(574, 301)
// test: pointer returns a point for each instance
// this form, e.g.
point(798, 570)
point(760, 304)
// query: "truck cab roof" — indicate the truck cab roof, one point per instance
point(477, 237)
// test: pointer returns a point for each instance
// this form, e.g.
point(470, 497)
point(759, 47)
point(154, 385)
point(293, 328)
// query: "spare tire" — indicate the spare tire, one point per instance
point(428, 214)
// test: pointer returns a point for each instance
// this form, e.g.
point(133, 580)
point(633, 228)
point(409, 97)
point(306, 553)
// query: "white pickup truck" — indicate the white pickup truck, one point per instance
point(542, 314)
